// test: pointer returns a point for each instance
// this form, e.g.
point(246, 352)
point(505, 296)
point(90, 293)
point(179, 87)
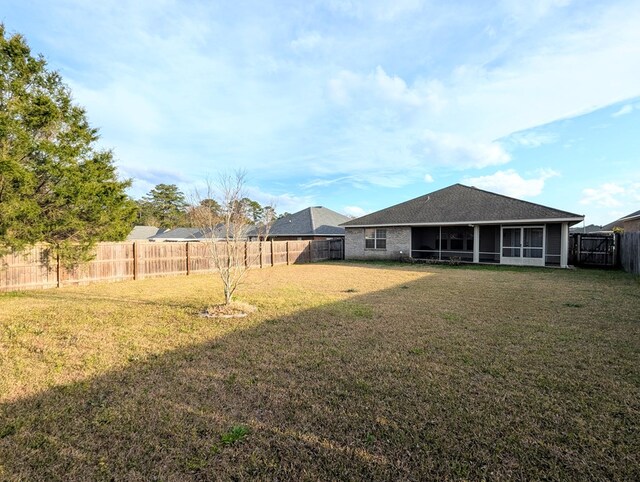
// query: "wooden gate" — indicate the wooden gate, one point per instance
point(595, 250)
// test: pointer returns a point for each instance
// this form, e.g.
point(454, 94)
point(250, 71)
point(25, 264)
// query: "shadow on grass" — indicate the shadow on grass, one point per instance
point(341, 391)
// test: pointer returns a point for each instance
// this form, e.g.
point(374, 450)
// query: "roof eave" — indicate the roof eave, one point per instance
point(460, 223)
point(271, 235)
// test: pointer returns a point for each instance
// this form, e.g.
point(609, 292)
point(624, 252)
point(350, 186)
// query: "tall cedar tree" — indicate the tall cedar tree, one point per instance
point(165, 206)
point(55, 185)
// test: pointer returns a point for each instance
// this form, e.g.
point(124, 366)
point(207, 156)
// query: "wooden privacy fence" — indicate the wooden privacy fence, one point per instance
point(39, 269)
point(630, 252)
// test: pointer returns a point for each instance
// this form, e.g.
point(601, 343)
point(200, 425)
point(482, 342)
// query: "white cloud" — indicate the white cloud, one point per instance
point(306, 42)
point(382, 10)
point(392, 90)
point(428, 178)
point(625, 109)
point(285, 202)
point(606, 195)
point(533, 138)
point(325, 182)
point(510, 183)
point(459, 152)
point(355, 211)
point(247, 84)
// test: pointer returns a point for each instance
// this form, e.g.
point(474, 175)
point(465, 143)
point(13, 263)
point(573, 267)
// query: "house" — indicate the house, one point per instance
point(589, 229)
point(629, 223)
point(315, 222)
point(139, 233)
point(466, 224)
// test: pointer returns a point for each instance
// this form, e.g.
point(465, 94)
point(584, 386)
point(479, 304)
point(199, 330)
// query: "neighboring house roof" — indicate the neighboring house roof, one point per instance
point(630, 217)
point(460, 204)
point(179, 234)
point(143, 232)
point(619, 223)
point(612, 226)
point(191, 234)
point(591, 228)
point(312, 221)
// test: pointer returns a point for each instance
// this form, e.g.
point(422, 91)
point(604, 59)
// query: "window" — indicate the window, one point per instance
point(375, 238)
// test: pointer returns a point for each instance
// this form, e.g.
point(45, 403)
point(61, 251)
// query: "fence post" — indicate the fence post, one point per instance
point(135, 260)
point(246, 254)
point(260, 251)
point(272, 257)
point(186, 248)
point(287, 248)
point(309, 248)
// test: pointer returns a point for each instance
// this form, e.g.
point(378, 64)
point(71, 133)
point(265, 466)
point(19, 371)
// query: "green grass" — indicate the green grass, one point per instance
point(346, 371)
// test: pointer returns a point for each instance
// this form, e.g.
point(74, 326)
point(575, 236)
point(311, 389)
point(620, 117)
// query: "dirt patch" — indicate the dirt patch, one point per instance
point(232, 310)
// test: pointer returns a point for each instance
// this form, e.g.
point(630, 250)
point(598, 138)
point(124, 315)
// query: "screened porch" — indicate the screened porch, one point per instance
point(456, 242)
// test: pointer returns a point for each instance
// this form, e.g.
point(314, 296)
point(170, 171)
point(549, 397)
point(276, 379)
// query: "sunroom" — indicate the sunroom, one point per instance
point(529, 245)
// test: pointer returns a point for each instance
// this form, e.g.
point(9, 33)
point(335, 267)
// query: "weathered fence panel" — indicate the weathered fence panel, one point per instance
point(299, 252)
point(630, 252)
point(113, 262)
point(37, 268)
point(31, 270)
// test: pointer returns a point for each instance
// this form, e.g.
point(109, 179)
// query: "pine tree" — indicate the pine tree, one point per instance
point(165, 206)
point(55, 185)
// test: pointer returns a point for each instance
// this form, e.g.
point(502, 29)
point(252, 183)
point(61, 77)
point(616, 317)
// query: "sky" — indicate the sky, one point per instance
point(358, 105)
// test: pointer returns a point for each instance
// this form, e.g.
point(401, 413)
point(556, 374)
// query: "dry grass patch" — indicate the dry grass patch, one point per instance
point(345, 371)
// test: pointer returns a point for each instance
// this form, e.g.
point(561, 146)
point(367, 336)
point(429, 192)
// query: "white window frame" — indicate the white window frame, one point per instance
point(376, 238)
point(523, 260)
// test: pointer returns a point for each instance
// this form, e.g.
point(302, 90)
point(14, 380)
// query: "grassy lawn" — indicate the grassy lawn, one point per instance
point(347, 371)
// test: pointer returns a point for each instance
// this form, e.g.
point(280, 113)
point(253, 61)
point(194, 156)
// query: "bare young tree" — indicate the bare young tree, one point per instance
point(225, 227)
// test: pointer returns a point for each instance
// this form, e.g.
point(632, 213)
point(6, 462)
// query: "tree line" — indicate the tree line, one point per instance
point(165, 206)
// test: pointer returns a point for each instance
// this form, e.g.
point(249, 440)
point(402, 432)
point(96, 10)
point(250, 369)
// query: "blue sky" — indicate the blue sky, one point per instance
point(358, 105)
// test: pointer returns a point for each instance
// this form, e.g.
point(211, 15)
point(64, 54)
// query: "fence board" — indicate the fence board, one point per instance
point(36, 268)
point(32, 269)
point(630, 252)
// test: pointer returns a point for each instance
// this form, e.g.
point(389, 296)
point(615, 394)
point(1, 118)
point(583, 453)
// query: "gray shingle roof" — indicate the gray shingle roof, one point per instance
point(312, 221)
point(611, 226)
point(461, 204)
point(591, 228)
point(142, 232)
point(180, 233)
point(631, 216)
point(189, 234)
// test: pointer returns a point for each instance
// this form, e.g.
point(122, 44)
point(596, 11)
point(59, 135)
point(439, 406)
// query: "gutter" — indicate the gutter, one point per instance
point(460, 223)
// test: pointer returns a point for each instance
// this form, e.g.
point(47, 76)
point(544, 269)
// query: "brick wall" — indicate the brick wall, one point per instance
point(398, 244)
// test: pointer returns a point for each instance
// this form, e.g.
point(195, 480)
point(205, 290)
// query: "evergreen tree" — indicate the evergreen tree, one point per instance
point(55, 185)
point(164, 206)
